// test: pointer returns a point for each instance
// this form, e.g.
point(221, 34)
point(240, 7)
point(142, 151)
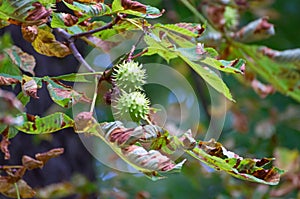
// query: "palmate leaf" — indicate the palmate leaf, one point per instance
point(15, 9)
point(284, 77)
point(216, 156)
point(48, 124)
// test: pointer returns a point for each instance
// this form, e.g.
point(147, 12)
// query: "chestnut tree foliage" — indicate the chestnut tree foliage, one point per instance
point(215, 44)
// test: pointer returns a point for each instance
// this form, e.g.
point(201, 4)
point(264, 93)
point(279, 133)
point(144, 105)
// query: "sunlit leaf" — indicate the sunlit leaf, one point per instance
point(48, 124)
point(210, 77)
point(14, 9)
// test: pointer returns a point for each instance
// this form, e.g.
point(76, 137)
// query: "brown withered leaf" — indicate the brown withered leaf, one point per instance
point(4, 184)
point(22, 59)
point(69, 20)
point(5, 143)
point(44, 157)
point(46, 44)
point(29, 86)
point(39, 15)
point(31, 163)
point(262, 89)
point(29, 32)
point(134, 5)
point(24, 189)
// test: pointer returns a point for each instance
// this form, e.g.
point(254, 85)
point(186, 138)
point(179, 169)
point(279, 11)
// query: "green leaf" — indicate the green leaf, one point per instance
point(216, 156)
point(57, 21)
point(179, 29)
point(24, 99)
point(64, 95)
point(48, 124)
point(160, 48)
point(209, 76)
point(15, 9)
point(91, 10)
point(23, 60)
point(76, 77)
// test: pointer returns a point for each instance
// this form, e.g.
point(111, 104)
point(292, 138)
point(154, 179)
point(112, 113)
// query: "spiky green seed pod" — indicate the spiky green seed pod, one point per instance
point(134, 105)
point(129, 76)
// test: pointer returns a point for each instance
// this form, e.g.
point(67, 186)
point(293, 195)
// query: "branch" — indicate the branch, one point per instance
point(79, 57)
point(105, 27)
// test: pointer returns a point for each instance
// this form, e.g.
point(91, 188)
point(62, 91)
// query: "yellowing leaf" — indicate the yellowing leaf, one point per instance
point(46, 44)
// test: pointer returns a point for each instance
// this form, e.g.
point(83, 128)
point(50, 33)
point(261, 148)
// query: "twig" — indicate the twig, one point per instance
point(140, 54)
point(107, 26)
point(130, 55)
point(79, 57)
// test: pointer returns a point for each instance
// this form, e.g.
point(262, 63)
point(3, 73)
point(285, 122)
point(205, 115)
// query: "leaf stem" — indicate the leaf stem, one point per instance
point(95, 94)
point(17, 190)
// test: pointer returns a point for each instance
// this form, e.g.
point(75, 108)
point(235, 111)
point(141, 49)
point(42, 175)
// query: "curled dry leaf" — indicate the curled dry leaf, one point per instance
point(24, 189)
point(39, 15)
point(5, 143)
point(46, 44)
point(254, 31)
point(44, 157)
point(262, 89)
point(69, 20)
point(30, 163)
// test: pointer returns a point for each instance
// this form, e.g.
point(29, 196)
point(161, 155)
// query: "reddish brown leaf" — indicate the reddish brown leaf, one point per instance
point(134, 5)
point(69, 20)
point(29, 32)
point(262, 89)
point(30, 163)
point(39, 15)
point(6, 81)
point(44, 157)
point(5, 143)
